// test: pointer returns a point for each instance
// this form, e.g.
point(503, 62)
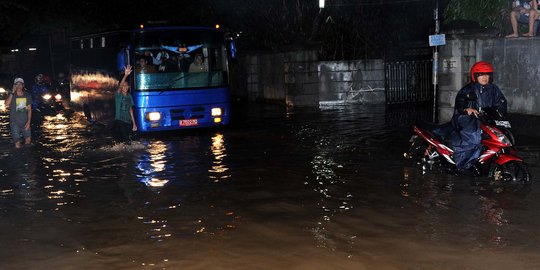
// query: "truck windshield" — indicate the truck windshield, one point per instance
point(173, 59)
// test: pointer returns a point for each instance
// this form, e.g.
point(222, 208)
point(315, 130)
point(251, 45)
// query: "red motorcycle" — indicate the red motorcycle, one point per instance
point(431, 147)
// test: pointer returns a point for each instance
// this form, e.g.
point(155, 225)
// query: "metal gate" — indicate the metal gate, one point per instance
point(408, 81)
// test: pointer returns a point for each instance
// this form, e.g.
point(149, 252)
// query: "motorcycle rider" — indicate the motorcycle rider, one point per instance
point(38, 89)
point(479, 93)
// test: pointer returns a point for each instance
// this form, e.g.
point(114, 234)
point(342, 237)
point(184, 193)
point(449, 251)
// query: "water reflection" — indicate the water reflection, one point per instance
point(406, 182)
point(331, 141)
point(152, 165)
point(56, 142)
point(5, 135)
point(332, 179)
point(60, 134)
point(494, 214)
point(218, 171)
point(446, 198)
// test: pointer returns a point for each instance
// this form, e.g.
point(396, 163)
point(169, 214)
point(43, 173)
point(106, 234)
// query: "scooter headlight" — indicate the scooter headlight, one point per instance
point(500, 136)
point(46, 96)
point(2, 90)
point(58, 97)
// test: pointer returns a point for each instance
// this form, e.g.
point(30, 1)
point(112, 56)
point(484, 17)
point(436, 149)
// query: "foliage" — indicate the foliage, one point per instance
point(488, 13)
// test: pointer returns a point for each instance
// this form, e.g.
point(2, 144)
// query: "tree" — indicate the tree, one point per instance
point(487, 13)
point(344, 30)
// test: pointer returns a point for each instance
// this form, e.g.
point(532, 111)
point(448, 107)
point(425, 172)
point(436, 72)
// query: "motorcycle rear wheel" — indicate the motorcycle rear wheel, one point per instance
point(417, 149)
point(419, 155)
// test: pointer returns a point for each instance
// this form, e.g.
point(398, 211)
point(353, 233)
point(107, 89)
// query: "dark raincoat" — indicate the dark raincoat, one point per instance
point(37, 92)
point(466, 141)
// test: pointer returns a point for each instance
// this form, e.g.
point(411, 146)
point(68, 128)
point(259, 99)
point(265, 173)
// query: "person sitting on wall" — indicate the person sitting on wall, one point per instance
point(524, 12)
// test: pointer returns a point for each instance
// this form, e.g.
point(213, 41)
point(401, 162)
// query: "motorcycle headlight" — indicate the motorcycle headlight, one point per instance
point(2, 90)
point(46, 96)
point(500, 136)
point(58, 97)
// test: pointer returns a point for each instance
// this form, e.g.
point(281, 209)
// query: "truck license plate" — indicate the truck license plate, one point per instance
point(188, 122)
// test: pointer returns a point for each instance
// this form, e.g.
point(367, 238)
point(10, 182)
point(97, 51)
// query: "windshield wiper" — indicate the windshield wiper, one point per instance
point(173, 82)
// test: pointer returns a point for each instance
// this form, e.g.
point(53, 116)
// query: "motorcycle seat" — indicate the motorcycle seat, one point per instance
point(441, 132)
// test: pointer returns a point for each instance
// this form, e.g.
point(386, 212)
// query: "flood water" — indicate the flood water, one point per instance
point(323, 188)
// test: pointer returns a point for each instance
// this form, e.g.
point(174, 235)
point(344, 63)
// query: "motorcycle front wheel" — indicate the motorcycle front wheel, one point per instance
point(512, 172)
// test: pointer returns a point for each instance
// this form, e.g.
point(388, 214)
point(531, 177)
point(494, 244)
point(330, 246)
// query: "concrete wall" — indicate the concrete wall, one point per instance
point(299, 79)
point(516, 63)
point(351, 82)
point(288, 78)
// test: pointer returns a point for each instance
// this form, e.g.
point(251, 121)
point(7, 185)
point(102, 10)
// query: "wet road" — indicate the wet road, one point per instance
point(301, 189)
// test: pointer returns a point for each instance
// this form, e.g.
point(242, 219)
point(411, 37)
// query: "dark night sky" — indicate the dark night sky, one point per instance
point(266, 24)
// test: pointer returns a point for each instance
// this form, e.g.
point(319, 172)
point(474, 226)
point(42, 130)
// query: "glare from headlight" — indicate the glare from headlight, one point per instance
point(47, 96)
point(216, 111)
point(75, 96)
point(2, 90)
point(58, 97)
point(153, 116)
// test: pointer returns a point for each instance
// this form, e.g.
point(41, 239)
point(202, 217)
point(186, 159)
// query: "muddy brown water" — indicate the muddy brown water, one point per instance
point(319, 188)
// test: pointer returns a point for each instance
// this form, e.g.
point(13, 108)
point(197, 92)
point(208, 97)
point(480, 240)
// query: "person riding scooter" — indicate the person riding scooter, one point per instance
point(38, 89)
point(466, 140)
point(46, 97)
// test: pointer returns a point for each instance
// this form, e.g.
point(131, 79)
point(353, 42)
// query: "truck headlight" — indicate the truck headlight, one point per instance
point(153, 116)
point(216, 112)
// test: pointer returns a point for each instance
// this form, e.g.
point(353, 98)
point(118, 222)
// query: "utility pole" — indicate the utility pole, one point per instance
point(435, 67)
